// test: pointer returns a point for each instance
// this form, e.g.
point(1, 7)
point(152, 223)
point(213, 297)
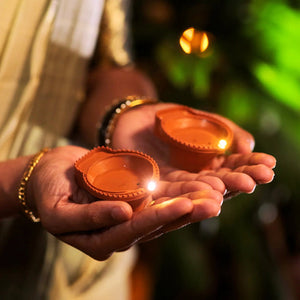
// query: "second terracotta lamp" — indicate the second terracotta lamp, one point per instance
point(193, 139)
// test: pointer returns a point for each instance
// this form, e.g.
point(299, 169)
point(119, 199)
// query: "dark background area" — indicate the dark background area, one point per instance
point(250, 73)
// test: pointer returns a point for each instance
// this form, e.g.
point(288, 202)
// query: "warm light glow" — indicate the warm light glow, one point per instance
point(222, 144)
point(186, 40)
point(194, 41)
point(204, 42)
point(189, 34)
point(151, 186)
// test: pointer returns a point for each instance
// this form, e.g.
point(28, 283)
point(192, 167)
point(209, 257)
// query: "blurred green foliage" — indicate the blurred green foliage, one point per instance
point(251, 74)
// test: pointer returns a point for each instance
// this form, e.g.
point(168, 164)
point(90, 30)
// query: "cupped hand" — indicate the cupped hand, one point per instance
point(236, 173)
point(61, 204)
point(239, 172)
point(100, 228)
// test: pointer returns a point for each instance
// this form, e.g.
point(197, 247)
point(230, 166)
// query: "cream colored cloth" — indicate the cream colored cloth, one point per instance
point(45, 46)
point(44, 50)
point(108, 281)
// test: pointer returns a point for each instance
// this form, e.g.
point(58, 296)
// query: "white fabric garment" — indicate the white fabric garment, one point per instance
point(45, 46)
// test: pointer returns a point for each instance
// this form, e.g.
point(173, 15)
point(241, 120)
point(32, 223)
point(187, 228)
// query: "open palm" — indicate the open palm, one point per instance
point(235, 173)
point(100, 228)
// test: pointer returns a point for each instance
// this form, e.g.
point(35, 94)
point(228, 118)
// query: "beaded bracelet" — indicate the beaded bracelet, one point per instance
point(23, 185)
point(109, 121)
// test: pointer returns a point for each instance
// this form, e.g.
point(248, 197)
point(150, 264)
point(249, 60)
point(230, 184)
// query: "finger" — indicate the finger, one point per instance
point(179, 175)
point(207, 194)
point(69, 217)
point(215, 182)
point(203, 194)
point(99, 245)
point(259, 173)
point(203, 209)
point(236, 160)
point(235, 181)
point(174, 189)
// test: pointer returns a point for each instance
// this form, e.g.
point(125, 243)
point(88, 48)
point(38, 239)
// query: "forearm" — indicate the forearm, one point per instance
point(11, 172)
point(106, 85)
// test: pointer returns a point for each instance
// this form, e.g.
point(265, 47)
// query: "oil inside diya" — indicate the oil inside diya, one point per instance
point(118, 175)
point(194, 138)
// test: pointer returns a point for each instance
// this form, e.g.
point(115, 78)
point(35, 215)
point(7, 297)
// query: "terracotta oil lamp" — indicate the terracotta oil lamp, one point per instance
point(123, 175)
point(194, 138)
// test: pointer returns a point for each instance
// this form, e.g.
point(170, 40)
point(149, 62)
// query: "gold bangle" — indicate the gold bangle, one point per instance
point(23, 185)
point(110, 119)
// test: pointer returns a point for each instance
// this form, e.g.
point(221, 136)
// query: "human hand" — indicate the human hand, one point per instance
point(239, 172)
point(100, 228)
point(235, 174)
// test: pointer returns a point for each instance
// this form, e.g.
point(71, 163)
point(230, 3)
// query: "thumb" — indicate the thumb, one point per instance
point(74, 217)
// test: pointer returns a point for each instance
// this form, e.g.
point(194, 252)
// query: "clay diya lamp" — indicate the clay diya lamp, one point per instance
point(122, 175)
point(194, 138)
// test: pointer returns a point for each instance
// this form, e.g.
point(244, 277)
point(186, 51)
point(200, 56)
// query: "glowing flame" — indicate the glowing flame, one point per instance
point(194, 41)
point(151, 186)
point(222, 144)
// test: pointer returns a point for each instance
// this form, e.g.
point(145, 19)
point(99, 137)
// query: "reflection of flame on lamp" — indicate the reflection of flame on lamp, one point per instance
point(194, 41)
point(222, 144)
point(151, 186)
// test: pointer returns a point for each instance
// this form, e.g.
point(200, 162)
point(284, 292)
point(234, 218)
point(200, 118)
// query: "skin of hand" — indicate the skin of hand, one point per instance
point(239, 172)
point(102, 91)
point(100, 228)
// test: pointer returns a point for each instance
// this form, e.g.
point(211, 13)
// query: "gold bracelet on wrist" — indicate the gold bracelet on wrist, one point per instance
point(109, 121)
point(23, 186)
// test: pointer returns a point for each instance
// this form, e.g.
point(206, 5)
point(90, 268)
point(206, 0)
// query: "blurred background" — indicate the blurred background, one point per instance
point(241, 59)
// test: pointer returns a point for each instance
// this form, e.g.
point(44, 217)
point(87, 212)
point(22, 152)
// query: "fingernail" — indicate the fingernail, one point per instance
point(252, 144)
point(219, 212)
point(253, 189)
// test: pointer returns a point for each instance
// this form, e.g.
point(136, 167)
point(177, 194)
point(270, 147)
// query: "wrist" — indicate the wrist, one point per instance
point(27, 208)
point(10, 177)
point(109, 121)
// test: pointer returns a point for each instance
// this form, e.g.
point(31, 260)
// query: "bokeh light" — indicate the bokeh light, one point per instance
point(194, 41)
